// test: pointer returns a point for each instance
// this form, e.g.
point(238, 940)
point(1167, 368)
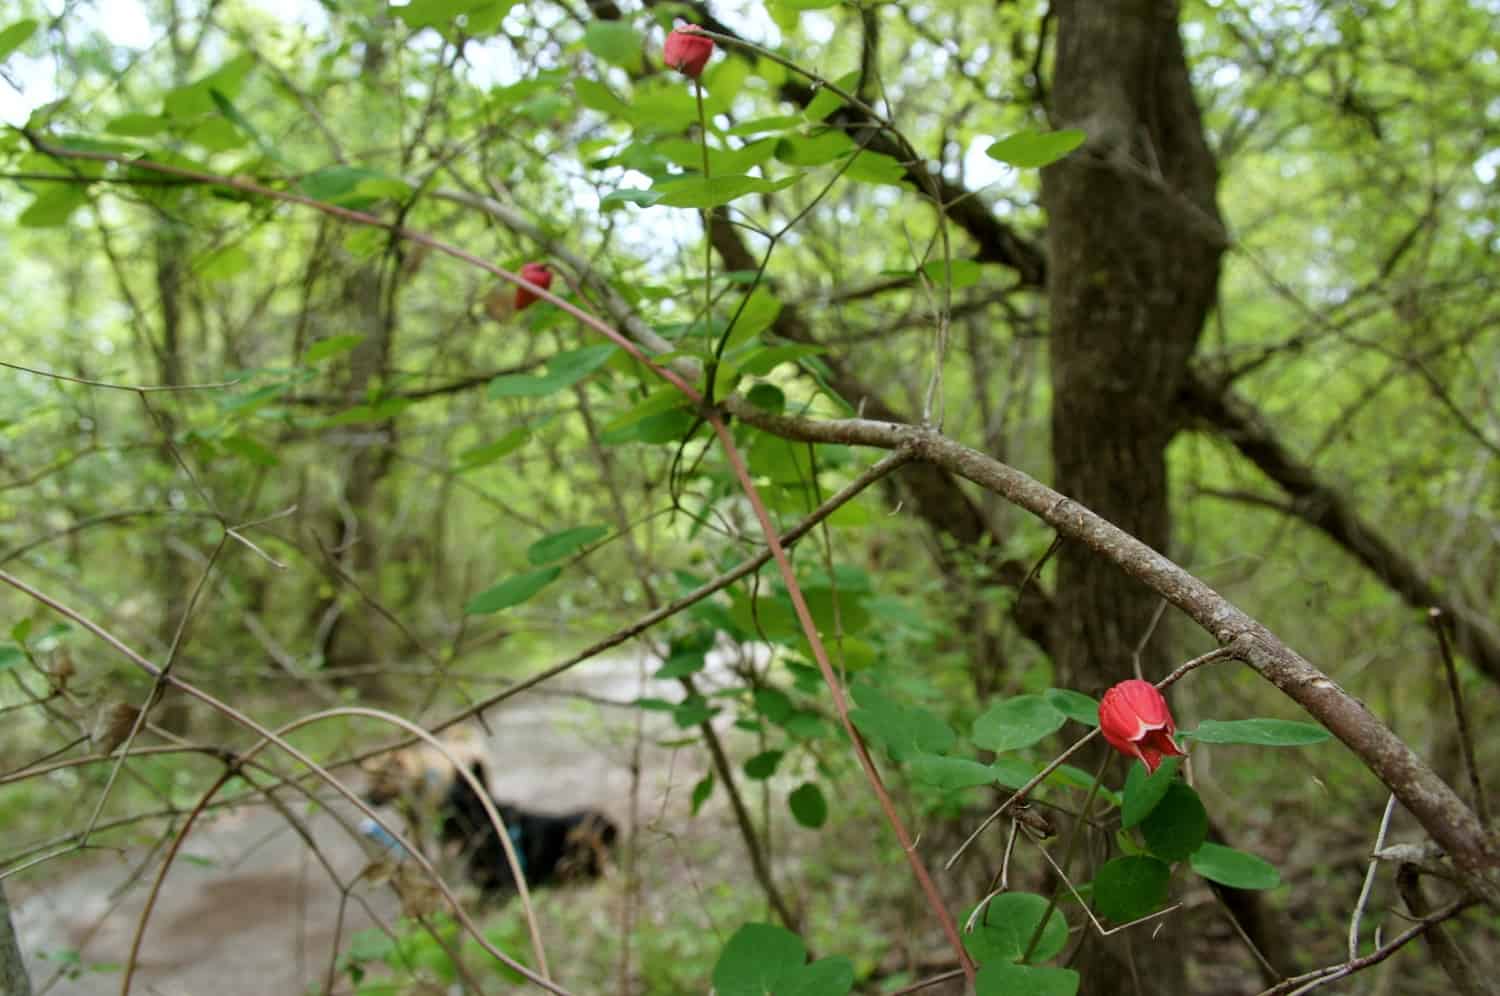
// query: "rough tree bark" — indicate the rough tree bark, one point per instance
point(348, 645)
point(1134, 242)
point(13, 978)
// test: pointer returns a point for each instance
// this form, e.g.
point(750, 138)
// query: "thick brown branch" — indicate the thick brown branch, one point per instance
point(1435, 805)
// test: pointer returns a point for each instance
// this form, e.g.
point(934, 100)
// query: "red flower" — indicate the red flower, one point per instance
point(536, 273)
point(687, 50)
point(1134, 718)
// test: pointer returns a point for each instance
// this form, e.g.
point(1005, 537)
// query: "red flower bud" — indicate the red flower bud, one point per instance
point(536, 273)
point(1134, 718)
point(687, 51)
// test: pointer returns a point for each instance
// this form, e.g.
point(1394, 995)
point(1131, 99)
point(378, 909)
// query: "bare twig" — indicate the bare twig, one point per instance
point(1369, 883)
point(1460, 714)
point(1310, 980)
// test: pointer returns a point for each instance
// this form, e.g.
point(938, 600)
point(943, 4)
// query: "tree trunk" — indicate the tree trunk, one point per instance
point(169, 575)
point(1134, 241)
point(13, 978)
point(350, 649)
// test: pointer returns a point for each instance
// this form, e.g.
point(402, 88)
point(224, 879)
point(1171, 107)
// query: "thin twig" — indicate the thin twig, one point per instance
point(1310, 980)
point(1369, 883)
point(1461, 715)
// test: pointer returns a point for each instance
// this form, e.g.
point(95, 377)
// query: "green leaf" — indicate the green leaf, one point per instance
point(681, 664)
point(1178, 825)
point(763, 765)
point(563, 371)
point(950, 773)
point(1234, 868)
point(615, 42)
point(561, 544)
point(764, 361)
point(54, 205)
point(814, 150)
point(332, 346)
point(761, 126)
point(11, 655)
point(629, 195)
point(251, 450)
point(352, 186)
point(1130, 887)
point(15, 35)
point(1261, 732)
point(224, 262)
point(876, 167)
point(1143, 791)
point(759, 313)
point(1017, 722)
point(1000, 979)
point(768, 397)
point(702, 791)
point(824, 977)
point(442, 13)
point(905, 731)
point(137, 125)
point(196, 98)
point(692, 711)
point(1074, 705)
point(665, 427)
point(757, 959)
point(511, 591)
point(483, 456)
point(826, 101)
point(965, 272)
point(1009, 921)
point(698, 192)
point(1034, 149)
point(808, 806)
point(689, 155)
point(774, 704)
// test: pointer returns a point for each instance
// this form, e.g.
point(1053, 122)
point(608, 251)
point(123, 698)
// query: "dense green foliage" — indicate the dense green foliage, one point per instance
point(269, 420)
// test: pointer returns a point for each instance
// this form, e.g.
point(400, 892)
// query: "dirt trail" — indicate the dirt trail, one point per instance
point(254, 913)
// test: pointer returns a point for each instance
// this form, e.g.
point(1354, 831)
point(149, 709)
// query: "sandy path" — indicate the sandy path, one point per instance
point(255, 913)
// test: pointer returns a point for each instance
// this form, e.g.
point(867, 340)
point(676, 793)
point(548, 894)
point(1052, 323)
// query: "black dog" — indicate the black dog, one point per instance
point(565, 847)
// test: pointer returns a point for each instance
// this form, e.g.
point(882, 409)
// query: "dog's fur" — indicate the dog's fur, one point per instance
point(551, 848)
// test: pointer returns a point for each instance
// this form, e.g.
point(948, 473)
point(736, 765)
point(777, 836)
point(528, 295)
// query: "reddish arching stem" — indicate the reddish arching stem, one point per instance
point(799, 603)
point(840, 704)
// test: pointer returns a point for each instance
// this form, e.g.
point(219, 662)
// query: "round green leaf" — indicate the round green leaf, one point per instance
point(1143, 791)
point(762, 765)
point(1016, 723)
point(1128, 888)
point(1008, 924)
point(1261, 732)
point(808, 806)
point(756, 959)
point(825, 977)
point(1000, 979)
point(1236, 869)
point(1178, 825)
